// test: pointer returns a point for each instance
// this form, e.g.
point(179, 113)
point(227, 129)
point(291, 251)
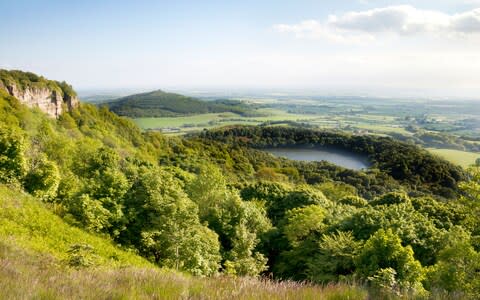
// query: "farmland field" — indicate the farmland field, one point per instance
point(462, 158)
point(197, 122)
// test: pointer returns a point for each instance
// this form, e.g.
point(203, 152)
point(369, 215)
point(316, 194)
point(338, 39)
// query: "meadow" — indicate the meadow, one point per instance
point(462, 158)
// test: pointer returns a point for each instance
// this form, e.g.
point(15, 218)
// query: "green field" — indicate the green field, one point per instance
point(462, 158)
point(197, 122)
point(383, 128)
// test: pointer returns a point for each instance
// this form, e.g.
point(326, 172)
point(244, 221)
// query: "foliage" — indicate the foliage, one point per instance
point(457, 267)
point(335, 258)
point(384, 250)
point(81, 256)
point(411, 226)
point(12, 158)
point(238, 224)
point(391, 198)
point(213, 204)
point(302, 221)
point(353, 201)
point(163, 223)
point(27, 223)
point(43, 178)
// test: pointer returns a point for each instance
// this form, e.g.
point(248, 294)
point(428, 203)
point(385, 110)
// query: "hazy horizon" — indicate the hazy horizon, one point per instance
point(427, 49)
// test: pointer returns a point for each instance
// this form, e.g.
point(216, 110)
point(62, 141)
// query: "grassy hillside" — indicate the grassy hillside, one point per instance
point(35, 259)
point(28, 224)
point(162, 104)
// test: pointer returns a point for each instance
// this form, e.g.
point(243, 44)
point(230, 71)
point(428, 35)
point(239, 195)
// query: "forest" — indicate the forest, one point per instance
point(213, 204)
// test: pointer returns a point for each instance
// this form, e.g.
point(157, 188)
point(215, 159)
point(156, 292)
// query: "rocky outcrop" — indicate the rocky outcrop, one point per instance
point(50, 101)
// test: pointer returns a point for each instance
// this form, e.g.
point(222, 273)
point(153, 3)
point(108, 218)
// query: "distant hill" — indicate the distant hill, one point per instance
point(163, 104)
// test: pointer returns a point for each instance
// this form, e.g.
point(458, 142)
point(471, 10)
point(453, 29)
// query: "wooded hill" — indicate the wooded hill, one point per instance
point(162, 104)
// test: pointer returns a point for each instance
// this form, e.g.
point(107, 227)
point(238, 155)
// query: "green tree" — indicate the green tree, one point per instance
point(302, 221)
point(43, 178)
point(301, 228)
point(335, 257)
point(239, 224)
point(384, 250)
point(457, 269)
point(471, 199)
point(88, 213)
point(337, 190)
point(13, 165)
point(163, 223)
point(414, 228)
point(300, 197)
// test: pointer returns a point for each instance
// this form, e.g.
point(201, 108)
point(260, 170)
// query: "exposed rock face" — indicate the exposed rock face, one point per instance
point(50, 101)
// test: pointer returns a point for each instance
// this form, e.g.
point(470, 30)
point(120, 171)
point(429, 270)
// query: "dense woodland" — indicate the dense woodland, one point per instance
point(406, 163)
point(211, 203)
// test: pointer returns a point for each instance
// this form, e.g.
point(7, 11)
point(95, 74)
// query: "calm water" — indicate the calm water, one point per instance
point(339, 157)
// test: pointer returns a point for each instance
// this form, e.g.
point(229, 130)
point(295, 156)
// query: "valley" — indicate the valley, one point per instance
point(445, 127)
point(204, 150)
point(269, 204)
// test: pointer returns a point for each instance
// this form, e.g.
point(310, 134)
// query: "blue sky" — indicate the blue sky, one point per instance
point(428, 48)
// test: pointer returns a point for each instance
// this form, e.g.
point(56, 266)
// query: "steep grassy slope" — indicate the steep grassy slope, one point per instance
point(27, 223)
point(162, 104)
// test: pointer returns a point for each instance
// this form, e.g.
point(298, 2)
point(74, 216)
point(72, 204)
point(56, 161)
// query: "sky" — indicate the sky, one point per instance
point(358, 47)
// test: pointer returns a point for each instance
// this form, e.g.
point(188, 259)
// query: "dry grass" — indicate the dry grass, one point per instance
point(37, 276)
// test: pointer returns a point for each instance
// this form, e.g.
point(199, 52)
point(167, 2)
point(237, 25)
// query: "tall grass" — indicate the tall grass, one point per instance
point(26, 275)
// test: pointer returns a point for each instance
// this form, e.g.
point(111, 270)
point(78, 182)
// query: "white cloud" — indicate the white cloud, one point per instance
point(401, 20)
point(312, 29)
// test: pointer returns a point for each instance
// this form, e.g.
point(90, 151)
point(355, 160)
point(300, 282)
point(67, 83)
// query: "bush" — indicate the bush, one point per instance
point(81, 256)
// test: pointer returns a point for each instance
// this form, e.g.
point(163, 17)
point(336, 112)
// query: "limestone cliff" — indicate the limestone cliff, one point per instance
point(52, 97)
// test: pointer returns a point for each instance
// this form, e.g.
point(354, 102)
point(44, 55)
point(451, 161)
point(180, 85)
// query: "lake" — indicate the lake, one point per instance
point(341, 158)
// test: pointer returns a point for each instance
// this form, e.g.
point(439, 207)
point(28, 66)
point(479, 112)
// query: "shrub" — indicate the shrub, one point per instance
point(81, 256)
